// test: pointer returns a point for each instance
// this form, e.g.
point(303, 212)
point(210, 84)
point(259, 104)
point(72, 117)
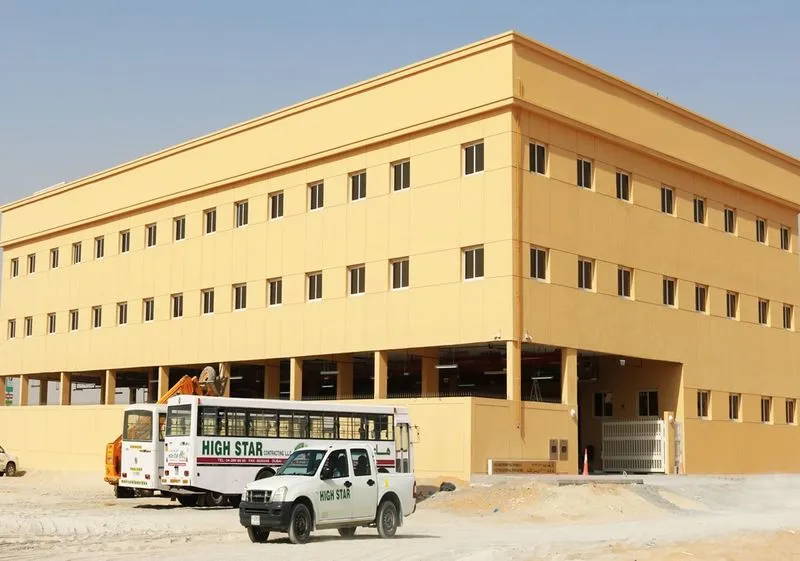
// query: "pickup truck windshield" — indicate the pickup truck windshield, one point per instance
point(302, 462)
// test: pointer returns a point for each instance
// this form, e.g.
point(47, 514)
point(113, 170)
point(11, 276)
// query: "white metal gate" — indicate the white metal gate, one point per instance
point(638, 446)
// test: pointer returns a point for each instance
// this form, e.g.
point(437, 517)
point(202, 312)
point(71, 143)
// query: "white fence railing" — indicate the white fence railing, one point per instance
point(637, 446)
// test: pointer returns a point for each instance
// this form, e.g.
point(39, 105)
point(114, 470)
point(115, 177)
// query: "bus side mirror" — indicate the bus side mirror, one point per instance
point(326, 473)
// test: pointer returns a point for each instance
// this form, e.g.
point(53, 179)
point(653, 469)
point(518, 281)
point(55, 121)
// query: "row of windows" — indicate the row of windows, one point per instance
point(648, 404)
point(625, 288)
point(735, 408)
point(401, 172)
point(585, 179)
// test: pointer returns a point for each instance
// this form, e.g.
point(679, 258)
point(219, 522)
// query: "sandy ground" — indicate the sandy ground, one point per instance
point(45, 515)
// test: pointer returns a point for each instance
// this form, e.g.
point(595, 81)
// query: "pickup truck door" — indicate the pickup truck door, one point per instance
point(333, 497)
point(364, 491)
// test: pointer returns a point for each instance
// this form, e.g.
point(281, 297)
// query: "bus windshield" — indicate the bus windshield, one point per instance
point(179, 422)
point(138, 426)
point(302, 462)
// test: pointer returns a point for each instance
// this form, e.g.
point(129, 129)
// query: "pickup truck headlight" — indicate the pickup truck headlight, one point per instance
point(278, 495)
point(244, 495)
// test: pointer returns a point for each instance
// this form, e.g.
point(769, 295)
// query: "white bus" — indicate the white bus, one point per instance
point(142, 453)
point(214, 446)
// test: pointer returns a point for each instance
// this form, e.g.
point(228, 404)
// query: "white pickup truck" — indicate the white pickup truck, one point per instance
point(8, 464)
point(324, 488)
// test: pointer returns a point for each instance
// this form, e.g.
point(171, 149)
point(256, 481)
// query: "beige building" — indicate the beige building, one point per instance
point(536, 257)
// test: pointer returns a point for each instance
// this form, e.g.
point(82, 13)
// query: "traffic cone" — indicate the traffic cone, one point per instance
point(585, 461)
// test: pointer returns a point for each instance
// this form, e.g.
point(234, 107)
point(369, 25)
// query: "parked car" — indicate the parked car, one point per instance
point(8, 464)
point(338, 487)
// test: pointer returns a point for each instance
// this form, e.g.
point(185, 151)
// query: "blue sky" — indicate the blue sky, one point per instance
point(88, 84)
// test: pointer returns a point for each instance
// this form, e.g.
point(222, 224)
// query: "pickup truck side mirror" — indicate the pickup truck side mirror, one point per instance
point(326, 472)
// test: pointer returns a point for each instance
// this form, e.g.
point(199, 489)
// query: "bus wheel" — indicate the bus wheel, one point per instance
point(187, 500)
point(263, 473)
point(257, 535)
point(214, 499)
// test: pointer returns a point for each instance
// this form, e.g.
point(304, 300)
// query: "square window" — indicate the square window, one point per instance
point(177, 306)
point(731, 305)
point(179, 226)
point(401, 175)
point(28, 326)
point(125, 241)
point(74, 319)
point(240, 297)
point(149, 309)
point(538, 158)
point(623, 186)
point(473, 158)
point(358, 186)
point(31, 263)
point(241, 213)
point(766, 409)
point(400, 274)
point(703, 401)
point(786, 236)
point(584, 168)
point(151, 235)
point(788, 316)
point(763, 312)
point(761, 230)
point(210, 221)
point(51, 323)
point(473, 263)
point(276, 205)
point(699, 210)
point(356, 280)
point(14, 268)
point(275, 292)
point(76, 253)
point(667, 200)
point(603, 404)
point(791, 412)
point(54, 258)
point(122, 313)
point(97, 317)
point(99, 247)
point(585, 274)
point(700, 298)
point(316, 196)
point(624, 282)
point(734, 406)
point(315, 286)
point(648, 404)
point(730, 221)
point(538, 263)
point(12, 328)
point(668, 286)
point(208, 301)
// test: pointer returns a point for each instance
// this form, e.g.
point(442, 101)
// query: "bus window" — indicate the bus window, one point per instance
point(162, 421)
point(350, 427)
point(138, 426)
point(401, 449)
point(236, 422)
point(322, 425)
point(262, 424)
point(179, 420)
point(293, 425)
point(207, 425)
point(381, 427)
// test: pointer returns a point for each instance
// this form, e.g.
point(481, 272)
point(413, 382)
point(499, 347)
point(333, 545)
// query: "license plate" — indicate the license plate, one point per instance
point(255, 520)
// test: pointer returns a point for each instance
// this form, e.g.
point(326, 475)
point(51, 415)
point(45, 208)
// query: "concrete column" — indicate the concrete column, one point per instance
point(131, 395)
point(569, 377)
point(225, 373)
point(344, 379)
point(430, 376)
point(102, 389)
point(163, 380)
point(381, 374)
point(513, 371)
point(111, 387)
point(272, 379)
point(669, 418)
point(296, 379)
point(65, 389)
point(23, 389)
point(43, 383)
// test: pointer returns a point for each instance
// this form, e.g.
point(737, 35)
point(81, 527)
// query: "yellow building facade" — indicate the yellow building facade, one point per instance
point(518, 246)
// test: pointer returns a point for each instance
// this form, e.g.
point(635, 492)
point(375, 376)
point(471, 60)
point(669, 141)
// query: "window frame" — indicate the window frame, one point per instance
point(735, 414)
point(207, 301)
point(404, 265)
point(700, 218)
point(767, 413)
point(790, 409)
point(148, 310)
point(150, 235)
point(581, 169)
point(761, 231)
point(316, 196)
point(357, 277)
point(179, 228)
point(648, 394)
point(621, 274)
point(474, 155)
point(786, 238)
point(478, 264)
point(729, 226)
point(77, 253)
point(55, 255)
point(27, 326)
point(401, 175)
point(176, 305)
point(74, 320)
point(582, 263)
point(533, 158)
point(52, 323)
point(666, 294)
point(276, 205)
point(606, 403)
point(623, 191)
point(97, 317)
point(704, 405)
point(14, 267)
point(239, 297)
point(704, 300)
point(667, 200)
point(358, 185)
point(209, 221)
point(788, 309)
point(728, 296)
point(314, 286)
point(534, 261)
point(241, 213)
point(99, 247)
point(31, 261)
point(277, 284)
point(11, 329)
point(124, 241)
point(122, 314)
point(763, 311)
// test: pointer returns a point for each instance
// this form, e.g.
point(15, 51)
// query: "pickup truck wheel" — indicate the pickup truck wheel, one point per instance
point(257, 535)
point(348, 532)
point(387, 519)
point(300, 524)
point(11, 469)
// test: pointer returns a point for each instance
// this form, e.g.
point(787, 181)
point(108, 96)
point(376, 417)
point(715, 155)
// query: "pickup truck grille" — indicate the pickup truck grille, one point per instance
point(259, 496)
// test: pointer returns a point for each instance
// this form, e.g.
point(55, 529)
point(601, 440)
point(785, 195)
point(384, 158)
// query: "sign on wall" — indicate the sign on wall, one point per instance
point(9, 392)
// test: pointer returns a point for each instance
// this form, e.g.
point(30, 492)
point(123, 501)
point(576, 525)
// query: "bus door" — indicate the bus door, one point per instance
point(402, 448)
